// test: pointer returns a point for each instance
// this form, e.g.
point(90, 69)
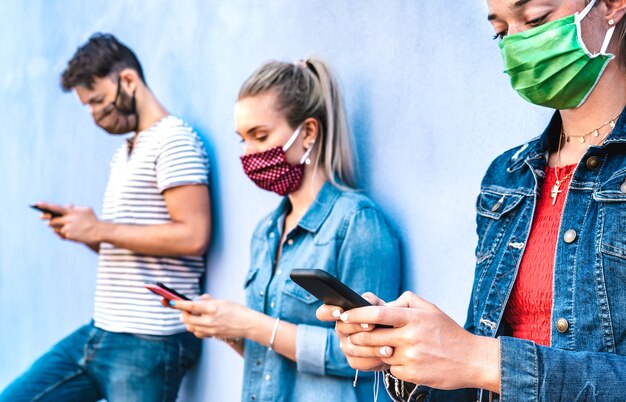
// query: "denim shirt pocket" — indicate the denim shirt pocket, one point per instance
point(612, 212)
point(250, 277)
point(298, 305)
point(252, 274)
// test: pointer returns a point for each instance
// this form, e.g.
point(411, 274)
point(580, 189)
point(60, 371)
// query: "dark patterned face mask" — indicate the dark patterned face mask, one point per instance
point(120, 116)
point(271, 171)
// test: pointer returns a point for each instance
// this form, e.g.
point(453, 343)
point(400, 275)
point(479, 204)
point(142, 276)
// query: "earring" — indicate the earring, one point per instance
point(611, 22)
point(305, 158)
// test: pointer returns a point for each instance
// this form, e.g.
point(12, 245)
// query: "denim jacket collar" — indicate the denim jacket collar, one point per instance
point(537, 150)
point(318, 211)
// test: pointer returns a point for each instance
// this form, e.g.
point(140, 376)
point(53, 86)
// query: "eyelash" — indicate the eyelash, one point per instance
point(260, 139)
point(537, 21)
point(533, 23)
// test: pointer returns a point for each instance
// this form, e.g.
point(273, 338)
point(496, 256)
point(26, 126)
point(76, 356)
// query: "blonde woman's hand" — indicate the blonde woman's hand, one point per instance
point(209, 317)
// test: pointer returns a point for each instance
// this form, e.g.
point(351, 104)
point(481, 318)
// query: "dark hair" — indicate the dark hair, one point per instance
point(101, 56)
point(621, 43)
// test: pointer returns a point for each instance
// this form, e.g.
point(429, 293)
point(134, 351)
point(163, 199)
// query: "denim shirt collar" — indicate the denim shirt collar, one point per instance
point(318, 211)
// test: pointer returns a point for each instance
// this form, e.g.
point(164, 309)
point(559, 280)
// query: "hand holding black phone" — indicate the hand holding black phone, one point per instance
point(329, 289)
point(44, 210)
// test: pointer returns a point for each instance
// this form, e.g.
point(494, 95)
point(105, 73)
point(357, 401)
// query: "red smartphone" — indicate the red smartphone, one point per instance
point(165, 292)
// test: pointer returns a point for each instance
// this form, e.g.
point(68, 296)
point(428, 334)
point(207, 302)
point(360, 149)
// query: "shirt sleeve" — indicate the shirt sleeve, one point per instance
point(368, 261)
point(530, 372)
point(181, 160)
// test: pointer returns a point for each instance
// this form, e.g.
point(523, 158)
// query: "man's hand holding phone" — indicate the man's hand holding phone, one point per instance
point(49, 211)
point(78, 224)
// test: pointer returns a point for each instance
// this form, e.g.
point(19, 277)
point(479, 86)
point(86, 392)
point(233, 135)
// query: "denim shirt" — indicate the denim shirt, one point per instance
point(345, 234)
point(585, 361)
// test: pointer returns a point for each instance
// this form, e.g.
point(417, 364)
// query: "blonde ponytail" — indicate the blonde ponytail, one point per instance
point(309, 89)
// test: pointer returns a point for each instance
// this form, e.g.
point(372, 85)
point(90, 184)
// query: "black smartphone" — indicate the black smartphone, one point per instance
point(53, 214)
point(327, 288)
point(165, 292)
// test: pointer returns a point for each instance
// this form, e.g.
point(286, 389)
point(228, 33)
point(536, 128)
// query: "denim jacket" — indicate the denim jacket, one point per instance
point(586, 360)
point(345, 234)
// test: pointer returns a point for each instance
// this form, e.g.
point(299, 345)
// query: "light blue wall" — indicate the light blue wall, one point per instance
point(424, 91)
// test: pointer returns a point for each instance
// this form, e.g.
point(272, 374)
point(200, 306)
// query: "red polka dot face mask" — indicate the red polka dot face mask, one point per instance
point(271, 171)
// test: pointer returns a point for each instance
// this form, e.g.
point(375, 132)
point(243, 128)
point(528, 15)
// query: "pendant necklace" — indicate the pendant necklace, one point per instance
point(556, 189)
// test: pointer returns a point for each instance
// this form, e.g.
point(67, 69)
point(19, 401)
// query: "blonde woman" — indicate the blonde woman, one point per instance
point(291, 120)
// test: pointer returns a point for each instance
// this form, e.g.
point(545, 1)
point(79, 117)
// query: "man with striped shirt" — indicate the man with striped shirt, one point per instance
point(155, 227)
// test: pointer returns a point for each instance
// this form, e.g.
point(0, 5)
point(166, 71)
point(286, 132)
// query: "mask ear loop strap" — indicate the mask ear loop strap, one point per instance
point(293, 137)
point(586, 10)
point(607, 39)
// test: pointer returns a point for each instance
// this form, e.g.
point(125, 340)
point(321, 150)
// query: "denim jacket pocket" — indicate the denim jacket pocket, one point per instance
point(493, 207)
point(495, 203)
point(612, 198)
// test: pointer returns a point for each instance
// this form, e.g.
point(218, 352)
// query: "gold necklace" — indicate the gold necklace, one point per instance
point(595, 131)
point(556, 189)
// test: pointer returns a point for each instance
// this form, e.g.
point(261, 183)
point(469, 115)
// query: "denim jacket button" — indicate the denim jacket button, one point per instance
point(623, 187)
point(562, 325)
point(272, 235)
point(267, 377)
point(593, 162)
point(569, 236)
point(290, 242)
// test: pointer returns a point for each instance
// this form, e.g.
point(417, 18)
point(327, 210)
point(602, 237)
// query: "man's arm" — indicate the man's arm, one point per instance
point(187, 234)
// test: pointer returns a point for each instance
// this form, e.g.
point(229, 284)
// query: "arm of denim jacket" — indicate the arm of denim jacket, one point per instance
point(530, 372)
point(368, 261)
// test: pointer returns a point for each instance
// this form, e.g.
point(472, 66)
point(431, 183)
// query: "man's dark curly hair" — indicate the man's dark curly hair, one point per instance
point(101, 56)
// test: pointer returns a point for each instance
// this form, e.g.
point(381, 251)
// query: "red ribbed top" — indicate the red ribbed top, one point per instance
point(528, 311)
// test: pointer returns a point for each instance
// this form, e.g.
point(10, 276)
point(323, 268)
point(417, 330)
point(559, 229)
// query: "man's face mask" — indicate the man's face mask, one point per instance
point(550, 65)
point(120, 116)
point(271, 171)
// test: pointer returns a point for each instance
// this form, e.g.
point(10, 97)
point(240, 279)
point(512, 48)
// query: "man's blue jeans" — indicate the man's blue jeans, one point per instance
point(92, 364)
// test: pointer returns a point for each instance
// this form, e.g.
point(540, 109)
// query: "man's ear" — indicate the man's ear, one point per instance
point(615, 10)
point(129, 80)
point(310, 131)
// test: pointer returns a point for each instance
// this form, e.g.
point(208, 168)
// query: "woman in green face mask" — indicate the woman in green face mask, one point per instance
point(547, 316)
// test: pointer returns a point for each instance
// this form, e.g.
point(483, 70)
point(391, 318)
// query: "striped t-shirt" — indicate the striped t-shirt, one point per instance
point(166, 155)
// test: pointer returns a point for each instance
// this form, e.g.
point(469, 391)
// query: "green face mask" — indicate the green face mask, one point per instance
point(550, 65)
